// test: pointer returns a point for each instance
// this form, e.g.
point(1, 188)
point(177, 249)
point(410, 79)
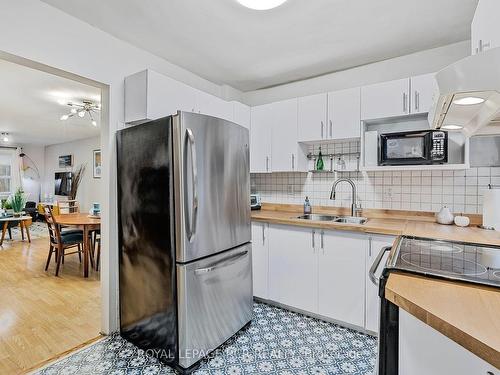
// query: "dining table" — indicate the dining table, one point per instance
point(86, 223)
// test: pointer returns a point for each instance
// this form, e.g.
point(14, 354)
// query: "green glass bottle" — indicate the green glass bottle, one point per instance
point(319, 163)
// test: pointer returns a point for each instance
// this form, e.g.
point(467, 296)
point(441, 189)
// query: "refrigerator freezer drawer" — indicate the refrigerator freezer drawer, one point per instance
point(214, 301)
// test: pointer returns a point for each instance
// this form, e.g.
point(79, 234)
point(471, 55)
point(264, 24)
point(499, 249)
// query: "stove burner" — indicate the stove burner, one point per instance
point(436, 246)
point(444, 263)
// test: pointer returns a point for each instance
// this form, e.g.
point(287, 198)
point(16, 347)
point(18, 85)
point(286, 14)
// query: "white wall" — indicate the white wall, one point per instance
point(400, 67)
point(90, 189)
point(31, 182)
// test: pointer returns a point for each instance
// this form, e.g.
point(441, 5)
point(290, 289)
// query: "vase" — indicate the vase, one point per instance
point(17, 214)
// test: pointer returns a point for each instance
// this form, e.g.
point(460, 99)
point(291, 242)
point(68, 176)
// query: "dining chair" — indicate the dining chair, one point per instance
point(96, 247)
point(68, 206)
point(61, 241)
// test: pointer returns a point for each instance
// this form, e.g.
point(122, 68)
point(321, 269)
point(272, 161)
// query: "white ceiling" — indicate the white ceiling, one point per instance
point(226, 43)
point(30, 108)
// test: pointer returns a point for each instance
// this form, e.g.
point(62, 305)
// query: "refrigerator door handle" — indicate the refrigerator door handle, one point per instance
point(194, 176)
point(223, 262)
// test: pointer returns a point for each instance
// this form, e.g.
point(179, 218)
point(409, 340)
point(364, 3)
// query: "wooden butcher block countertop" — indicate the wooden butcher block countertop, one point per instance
point(467, 313)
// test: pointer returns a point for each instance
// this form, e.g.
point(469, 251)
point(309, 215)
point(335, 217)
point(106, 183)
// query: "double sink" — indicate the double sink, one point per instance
point(334, 219)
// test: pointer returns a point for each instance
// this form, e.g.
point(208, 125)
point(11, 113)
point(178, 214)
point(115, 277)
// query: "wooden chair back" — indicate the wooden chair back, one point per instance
point(54, 232)
point(68, 207)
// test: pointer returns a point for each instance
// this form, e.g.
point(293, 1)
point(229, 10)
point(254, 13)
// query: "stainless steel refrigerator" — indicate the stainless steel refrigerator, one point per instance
point(184, 235)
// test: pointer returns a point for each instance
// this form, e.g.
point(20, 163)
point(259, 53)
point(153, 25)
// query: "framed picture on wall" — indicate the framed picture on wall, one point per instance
point(97, 164)
point(65, 161)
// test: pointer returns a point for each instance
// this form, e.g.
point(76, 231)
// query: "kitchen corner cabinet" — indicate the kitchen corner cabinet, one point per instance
point(377, 242)
point(293, 267)
point(341, 276)
point(260, 259)
point(386, 99)
point(213, 106)
point(241, 114)
point(260, 139)
point(423, 89)
point(485, 28)
point(312, 118)
point(344, 113)
point(423, 350)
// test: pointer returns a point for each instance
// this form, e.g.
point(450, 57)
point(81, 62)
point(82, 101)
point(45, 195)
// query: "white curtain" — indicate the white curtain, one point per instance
point(16, 170)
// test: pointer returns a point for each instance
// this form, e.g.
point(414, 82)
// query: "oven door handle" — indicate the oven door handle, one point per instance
point(378, 259)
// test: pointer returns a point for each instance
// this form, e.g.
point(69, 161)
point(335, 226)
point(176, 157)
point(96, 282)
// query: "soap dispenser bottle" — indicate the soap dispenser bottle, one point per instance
point(307, 206)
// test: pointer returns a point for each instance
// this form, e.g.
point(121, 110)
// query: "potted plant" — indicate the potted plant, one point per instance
point(18, 201)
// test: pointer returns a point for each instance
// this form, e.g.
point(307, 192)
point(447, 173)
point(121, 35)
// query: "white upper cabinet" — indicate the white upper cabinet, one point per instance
point(386, 99)
point(293, 267)
point(423, 89)
point(260, 139)
point(241, 114)
point(213, 106)
point(286, 153)
point(150, 95)
point(312, 118)
point(344, 114)
point(485, 28)
point(341, 276)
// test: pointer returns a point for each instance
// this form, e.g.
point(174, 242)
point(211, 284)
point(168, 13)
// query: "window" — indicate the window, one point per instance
point(5, 179)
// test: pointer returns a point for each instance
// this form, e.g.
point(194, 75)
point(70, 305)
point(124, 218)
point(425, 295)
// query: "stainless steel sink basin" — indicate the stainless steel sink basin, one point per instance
point(318, 217)
point(350, 220)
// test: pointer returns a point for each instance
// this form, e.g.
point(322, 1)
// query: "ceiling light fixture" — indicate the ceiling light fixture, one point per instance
point(452, 127)
point(261, 4)
point(87, 107)
point(469, 100)
point(5, 137)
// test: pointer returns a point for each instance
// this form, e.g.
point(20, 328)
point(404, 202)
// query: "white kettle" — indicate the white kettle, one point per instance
point(445, 216)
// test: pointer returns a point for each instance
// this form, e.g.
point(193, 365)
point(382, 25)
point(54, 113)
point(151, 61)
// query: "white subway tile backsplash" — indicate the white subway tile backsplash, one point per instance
point(406, 190)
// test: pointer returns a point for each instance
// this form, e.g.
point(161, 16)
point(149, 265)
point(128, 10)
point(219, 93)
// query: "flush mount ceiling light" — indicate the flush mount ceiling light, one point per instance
point(261, 4)
point(469, 100)
point(5, 137)
point(81, 110)
point(452, 127)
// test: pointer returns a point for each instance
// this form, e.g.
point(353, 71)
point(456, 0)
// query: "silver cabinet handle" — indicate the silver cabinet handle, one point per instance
point(194, 176)
point(322, 130)
point(263, 234)
point(293, 162)
point(375, 264)
point(267, 163)
point(331, 129)
point(313, 242)
point(323, 240)
point(404, 102)
point(221, 263)
point(483, 45)
point(416, 101)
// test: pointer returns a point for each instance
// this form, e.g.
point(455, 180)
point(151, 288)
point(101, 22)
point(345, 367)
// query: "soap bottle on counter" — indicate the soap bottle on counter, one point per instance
point(307, 206)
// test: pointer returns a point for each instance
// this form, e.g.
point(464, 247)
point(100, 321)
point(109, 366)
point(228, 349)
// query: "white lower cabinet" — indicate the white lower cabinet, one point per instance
point(377, 242)
point(260, 259)
point(341, 276)
point(293, 278)
point(423, 350)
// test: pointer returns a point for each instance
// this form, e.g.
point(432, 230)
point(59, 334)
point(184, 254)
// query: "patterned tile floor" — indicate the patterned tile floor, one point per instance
point(277, 342)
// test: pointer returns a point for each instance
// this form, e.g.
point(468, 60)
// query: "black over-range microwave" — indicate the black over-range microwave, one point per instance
point(413, 148)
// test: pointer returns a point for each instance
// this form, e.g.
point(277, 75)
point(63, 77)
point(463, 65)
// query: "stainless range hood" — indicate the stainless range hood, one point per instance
point(475, 78)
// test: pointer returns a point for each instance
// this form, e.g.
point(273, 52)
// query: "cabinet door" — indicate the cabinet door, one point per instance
point(260, 139)
point(377, 242)
point(386, 99)
point(260, 259)
point(284, 136)
point(213, 106)
point(241, 114)
point(485, 29)
point(344, 108)
point(341, 275)
point(312, 124)
point(423, 89)
point(423, 350)
point(293, 267)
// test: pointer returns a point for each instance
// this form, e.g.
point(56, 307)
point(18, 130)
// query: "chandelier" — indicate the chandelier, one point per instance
point(80, 110)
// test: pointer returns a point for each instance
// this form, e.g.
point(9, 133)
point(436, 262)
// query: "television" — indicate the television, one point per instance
point(63, 183)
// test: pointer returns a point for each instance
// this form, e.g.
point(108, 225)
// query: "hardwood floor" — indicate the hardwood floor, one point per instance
point(41, 315)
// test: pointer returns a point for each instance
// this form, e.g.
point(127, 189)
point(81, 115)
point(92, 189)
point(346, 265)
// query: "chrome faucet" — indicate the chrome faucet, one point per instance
point(354, 207)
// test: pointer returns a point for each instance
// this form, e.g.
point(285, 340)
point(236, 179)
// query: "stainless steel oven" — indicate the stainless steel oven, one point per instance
point(413, 148)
